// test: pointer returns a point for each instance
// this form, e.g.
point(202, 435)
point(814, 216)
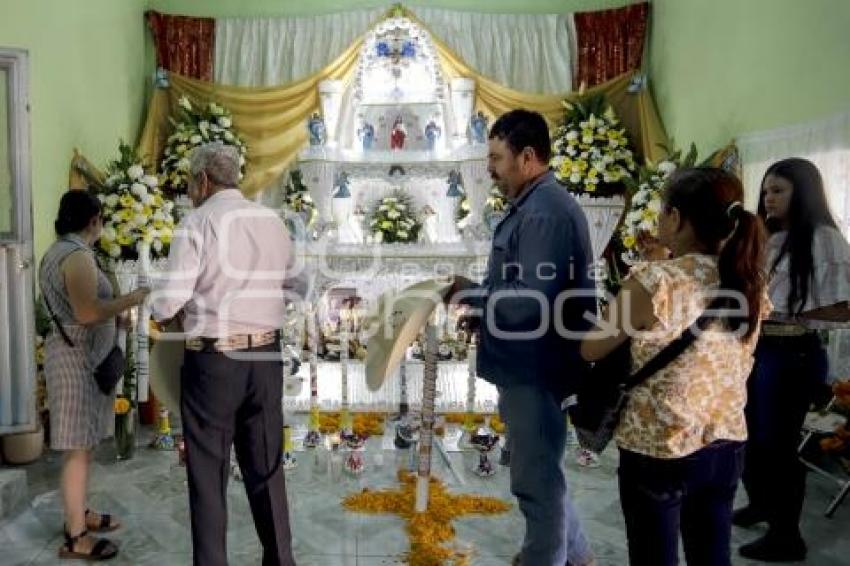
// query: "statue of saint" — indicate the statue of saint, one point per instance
point(316, 129)
point(399, 132)
point(432, 134)
point(478, 128)
point(366, 133)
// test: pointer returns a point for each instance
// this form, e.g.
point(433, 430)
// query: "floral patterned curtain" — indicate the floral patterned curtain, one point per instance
point(610, 43)
point(184, 44)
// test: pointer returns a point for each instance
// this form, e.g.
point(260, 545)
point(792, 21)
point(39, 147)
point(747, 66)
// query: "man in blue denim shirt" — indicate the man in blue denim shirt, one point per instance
point(535, 294)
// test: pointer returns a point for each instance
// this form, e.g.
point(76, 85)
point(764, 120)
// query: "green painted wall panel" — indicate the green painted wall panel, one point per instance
point(86, 86)
point(725, 67)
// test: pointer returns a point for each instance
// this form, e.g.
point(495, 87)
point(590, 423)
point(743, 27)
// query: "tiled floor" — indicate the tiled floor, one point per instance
point(149, 494)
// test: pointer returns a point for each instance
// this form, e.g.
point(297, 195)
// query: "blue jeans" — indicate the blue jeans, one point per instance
point(693, 495)
point(783, 383)
point(553, 533)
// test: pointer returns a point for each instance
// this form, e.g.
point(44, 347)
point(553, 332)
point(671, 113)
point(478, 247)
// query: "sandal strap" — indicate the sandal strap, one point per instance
point(105, 519)
point(70, 541)
point(102, 547)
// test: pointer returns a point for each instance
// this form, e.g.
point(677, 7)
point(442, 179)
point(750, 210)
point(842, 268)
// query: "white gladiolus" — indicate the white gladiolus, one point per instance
point(196, 139)
point(229, 136)
point(147, 199)
point(225, 122)
point(135, 172)
point(139, 189)
point(112, 200)
point(151, 181)
point(575, 178)
point(572, 135)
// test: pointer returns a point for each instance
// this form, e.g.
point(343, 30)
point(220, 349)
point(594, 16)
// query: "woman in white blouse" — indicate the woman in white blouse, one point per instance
point(809, 284)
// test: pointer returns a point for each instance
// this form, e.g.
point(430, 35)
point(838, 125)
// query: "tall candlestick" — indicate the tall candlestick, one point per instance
point(314, 437)
point(426, 432)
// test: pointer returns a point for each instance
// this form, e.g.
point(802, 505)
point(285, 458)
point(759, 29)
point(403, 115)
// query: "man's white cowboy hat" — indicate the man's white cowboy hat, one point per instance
point(401, 316)
point(166, 359)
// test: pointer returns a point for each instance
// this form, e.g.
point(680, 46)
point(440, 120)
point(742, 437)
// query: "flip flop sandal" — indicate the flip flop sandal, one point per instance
point(103, 549)
point(106, 524)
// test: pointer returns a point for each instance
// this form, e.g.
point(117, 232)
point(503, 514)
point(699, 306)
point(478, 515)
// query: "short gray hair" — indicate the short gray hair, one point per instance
point(219, 161)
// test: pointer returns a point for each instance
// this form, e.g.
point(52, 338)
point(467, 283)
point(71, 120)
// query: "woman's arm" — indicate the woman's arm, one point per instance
point(80, 272)
point(631, 311)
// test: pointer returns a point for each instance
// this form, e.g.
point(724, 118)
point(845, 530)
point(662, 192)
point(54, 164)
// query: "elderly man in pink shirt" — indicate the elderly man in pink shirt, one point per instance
point(230, 271)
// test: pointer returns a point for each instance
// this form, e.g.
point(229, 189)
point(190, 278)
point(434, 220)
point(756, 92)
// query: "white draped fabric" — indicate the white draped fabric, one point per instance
point(526, 52)
point(827, 144)
point(275, 51)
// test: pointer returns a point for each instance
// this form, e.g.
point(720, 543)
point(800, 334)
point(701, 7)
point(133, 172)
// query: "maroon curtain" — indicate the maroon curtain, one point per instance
point(610, 42)
point(184, 44)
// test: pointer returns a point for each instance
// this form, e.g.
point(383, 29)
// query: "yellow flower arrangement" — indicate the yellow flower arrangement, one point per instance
point(195, 127)
point(365, 424)
point(134, 210)
point(590, 150)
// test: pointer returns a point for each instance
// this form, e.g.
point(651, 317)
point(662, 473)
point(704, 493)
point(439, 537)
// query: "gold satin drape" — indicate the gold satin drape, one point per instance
point(273, 119)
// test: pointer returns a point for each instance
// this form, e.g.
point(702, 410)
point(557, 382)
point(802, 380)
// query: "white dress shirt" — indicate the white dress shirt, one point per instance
point(230, 268)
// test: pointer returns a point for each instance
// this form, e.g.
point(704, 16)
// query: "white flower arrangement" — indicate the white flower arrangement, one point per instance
point(392, 220)
point(590, 151)
point(193, 128)
point(135, 212)
point(462, 211)
point(641, 217)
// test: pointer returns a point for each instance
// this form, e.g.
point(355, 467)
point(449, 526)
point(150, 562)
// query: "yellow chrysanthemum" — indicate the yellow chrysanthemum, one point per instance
point(629, 241)
point(127, 201)
point(121, 406)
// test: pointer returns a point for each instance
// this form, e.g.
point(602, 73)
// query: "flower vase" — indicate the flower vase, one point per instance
point(125, 435)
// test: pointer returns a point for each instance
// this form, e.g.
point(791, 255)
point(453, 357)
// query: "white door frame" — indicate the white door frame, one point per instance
point(17, 325)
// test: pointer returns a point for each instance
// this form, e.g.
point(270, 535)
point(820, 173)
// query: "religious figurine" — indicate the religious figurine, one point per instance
point(366, 133)
point(455, 182)
point(341, 184)
point(399, 132)
point(429, 223)
point(478, 128)
point(432, 134)
point(316, 129)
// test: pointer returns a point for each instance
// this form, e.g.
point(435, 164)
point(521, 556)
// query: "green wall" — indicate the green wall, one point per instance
point(721, 68)
point(86, 86)
point(231, 8)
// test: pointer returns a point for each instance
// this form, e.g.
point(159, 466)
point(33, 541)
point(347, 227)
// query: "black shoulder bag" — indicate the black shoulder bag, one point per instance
point(603, 393)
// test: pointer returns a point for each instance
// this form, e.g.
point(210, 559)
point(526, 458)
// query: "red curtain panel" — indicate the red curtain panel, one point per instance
point(184, 44)
point(610, 42)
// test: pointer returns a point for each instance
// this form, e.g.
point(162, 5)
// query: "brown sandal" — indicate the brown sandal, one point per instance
point(103, 549)
point(106, 523)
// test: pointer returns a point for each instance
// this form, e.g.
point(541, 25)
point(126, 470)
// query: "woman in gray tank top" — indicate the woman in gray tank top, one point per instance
point(81, 300)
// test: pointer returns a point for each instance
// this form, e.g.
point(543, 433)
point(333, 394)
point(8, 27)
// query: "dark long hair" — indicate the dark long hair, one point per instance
point(807, 210)
point(710, 199)
point(76, 210)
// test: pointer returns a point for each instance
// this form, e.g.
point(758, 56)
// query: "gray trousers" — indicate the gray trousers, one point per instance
point(234, 402)
point(537, 437)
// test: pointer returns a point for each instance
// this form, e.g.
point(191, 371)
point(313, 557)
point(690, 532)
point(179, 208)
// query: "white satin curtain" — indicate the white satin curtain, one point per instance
point(526, 52)
point(826, 143)
point(274, 51)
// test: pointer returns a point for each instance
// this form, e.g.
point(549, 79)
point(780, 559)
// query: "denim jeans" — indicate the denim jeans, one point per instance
point(553, 533)
point(692, 495)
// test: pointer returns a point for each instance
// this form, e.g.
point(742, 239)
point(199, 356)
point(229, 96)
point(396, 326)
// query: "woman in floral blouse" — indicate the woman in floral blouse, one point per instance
point(682, 433)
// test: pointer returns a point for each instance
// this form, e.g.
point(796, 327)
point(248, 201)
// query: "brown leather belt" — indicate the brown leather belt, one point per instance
point(781, 330)
point(232, 343)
